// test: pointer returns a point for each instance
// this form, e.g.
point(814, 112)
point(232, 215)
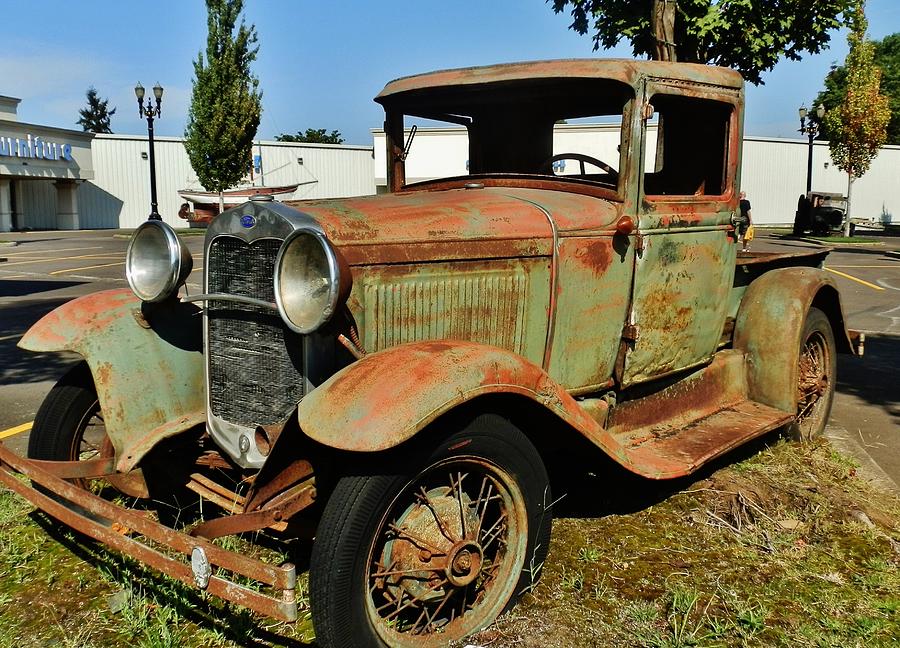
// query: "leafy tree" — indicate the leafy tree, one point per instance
point(313, 136)
point(747, 35)
point(225, 101)
point(886, 57)
point(95, 116)
point(858, 126)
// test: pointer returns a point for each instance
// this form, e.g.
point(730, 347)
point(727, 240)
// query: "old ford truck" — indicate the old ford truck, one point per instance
point(389, 376)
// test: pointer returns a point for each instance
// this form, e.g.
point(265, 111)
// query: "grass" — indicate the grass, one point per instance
point(787, 548)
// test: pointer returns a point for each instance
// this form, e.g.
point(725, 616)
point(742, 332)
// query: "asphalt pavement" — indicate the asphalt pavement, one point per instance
point(46, 269)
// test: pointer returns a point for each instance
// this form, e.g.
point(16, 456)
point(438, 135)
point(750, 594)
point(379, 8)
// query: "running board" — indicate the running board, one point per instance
point(667, 452)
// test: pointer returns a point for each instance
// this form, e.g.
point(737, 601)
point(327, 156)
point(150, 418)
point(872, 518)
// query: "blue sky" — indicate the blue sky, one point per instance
point(320, 63)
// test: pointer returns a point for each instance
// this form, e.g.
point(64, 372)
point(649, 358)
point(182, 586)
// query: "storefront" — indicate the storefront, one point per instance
point(33, 157)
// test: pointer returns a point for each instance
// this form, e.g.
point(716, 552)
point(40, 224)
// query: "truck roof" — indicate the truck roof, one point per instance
point(625, 70)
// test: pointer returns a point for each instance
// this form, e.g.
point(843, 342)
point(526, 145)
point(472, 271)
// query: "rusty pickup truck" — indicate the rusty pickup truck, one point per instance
point(389, 376)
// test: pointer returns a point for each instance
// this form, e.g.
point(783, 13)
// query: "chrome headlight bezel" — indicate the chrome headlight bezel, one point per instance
point(282, 275)
point(180, 263)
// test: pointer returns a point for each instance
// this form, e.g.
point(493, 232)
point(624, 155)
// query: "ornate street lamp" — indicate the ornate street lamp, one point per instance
point(150, 112)
point(811, 129)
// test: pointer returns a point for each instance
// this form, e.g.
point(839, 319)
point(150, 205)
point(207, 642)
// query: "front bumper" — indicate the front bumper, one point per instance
point(282, 579)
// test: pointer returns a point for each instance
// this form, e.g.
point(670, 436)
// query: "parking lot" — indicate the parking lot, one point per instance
point(46, 269)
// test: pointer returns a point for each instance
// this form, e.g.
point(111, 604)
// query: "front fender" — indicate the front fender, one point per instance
point(146, 360)
point(770, 323)
point(386, 397)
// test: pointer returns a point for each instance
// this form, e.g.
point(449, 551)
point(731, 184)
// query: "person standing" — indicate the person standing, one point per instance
point(745, 223)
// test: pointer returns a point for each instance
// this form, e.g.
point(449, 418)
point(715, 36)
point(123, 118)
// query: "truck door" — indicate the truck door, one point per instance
point(684, 269)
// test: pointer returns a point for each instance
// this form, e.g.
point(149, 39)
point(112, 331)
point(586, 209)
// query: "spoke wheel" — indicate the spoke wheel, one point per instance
point(816, 377)
point(426, 556)
point(69, 425)
point(445, 557)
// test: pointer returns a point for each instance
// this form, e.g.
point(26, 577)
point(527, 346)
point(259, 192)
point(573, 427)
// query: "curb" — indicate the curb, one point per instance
point(844, 442)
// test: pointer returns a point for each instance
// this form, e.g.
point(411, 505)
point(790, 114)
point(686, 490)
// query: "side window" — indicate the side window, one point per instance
point(690, 156)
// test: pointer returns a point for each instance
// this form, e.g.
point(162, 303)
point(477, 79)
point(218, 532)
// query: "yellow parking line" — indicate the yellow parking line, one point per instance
point(102, 265)
point(16, 430)
point(197, 269)
point(852, 278)
point(18, 276)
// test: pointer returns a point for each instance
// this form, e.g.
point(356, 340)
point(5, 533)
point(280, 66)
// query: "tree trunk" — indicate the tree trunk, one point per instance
point(662, 21)
point(849, 191)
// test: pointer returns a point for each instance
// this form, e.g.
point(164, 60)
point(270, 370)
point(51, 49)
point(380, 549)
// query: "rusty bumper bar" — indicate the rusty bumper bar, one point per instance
point(282, 578)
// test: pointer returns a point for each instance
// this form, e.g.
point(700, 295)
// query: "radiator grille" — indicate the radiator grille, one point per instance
point(484, 306)
point(255, 362)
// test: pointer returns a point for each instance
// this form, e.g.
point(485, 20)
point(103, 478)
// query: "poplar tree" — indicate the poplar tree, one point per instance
point(858, 126)
point(225, 101)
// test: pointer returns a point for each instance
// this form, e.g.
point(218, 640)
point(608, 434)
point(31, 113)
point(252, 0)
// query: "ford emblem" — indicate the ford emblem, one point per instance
point(248, 221)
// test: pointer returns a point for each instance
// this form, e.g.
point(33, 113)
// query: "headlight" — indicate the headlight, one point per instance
point(307, 280)
point(156, 263)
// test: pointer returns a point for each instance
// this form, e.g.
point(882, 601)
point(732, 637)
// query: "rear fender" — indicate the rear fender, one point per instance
point(769, 325)
point(387, 397)
point(146, 361)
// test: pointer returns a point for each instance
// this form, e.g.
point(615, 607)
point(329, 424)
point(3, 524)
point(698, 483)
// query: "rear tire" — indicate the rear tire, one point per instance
point(817, 368)
point(437, 546)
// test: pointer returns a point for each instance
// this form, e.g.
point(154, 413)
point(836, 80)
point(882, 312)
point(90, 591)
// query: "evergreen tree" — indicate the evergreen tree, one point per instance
point(95, 116)
point(225, 101)
point(858, 126)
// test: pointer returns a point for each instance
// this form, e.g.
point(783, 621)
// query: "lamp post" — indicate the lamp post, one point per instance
point(150, 112)
point(811, 129)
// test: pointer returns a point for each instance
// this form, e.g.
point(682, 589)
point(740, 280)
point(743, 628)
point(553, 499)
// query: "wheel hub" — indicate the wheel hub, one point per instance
point(464, 563)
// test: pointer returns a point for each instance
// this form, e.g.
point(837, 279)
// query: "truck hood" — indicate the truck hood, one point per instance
point(456, 223)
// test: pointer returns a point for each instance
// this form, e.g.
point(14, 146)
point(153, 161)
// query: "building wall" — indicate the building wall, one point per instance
point(774, 177)
point(119, 195)
point(773, 169)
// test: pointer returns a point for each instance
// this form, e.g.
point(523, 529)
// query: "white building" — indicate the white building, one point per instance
point(773, 170)
point(53, 178)
point(40, 164)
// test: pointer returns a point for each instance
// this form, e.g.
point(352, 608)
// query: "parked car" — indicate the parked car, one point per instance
point(394, 375)
point(821, 213)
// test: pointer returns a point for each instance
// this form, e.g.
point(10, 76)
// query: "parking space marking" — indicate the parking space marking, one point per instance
point(15, 336)
point(94, 247)
point(864, 266)
point(102, 265)
point(852, 278)
point(16, 430)
point(69, 258)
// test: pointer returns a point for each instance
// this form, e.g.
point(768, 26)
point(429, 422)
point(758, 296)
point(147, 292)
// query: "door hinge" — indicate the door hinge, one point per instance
point(630, 333)
point(647, 110)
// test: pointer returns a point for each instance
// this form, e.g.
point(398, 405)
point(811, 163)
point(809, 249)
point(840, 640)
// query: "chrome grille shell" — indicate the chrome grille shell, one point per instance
point(255, 366)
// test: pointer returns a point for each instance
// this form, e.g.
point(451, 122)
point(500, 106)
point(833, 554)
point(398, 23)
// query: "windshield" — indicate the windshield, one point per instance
point(568, 130)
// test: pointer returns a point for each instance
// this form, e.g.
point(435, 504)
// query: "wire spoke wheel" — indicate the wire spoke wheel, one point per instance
point(446, 557)
point(815, 377)
point(429, 544)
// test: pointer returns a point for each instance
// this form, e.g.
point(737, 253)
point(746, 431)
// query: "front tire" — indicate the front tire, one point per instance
point(817, 369)
point(69, 425)
point(437, 548)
